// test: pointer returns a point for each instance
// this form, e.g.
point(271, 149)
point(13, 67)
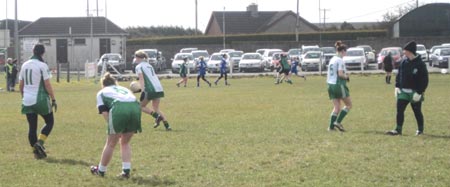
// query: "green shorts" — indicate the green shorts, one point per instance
point(124, 117)
point(42, 107)
point(151, 95)
point(407, 96)
point(338, 91)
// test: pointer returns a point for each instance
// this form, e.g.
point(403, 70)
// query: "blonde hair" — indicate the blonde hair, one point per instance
point(140, 54)
point(108, 80)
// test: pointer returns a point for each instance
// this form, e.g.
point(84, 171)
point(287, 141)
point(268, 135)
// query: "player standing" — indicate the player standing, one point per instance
point(152, 89)
point(202, 72)
point(294, 67)
point(36, 90)
point(337, 88)
point(183, 73)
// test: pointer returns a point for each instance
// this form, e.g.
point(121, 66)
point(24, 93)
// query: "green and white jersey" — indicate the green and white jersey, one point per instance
point(336, 64)
point(33, 74)
point(151, 81)
point(110, 95)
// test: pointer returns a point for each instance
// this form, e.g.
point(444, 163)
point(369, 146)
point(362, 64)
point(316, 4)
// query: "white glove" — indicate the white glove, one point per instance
point(416, 97)
point(396, 92)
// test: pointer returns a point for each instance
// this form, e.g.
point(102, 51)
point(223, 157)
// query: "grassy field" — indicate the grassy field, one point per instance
point(250, 134)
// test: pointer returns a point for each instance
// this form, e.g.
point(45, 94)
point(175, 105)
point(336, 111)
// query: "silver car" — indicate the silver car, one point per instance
point(251, 62)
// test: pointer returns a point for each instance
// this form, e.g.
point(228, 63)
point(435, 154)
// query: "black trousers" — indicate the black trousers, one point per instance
point(203, 78)
point(32, 119)
point(10, 83)
point(222, 75)
point(417, 109)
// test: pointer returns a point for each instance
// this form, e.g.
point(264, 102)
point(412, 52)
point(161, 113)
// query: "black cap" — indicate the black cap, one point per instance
point(411, 47)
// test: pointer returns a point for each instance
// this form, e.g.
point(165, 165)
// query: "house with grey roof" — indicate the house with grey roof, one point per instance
point(253, 21)
point(73, 40)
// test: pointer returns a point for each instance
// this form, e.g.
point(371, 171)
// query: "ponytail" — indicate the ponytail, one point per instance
point(38, 51)
point(340, 46)
point(108, 80)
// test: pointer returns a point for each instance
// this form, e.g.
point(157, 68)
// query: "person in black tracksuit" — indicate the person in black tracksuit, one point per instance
point(410, 85)
point(387, 64)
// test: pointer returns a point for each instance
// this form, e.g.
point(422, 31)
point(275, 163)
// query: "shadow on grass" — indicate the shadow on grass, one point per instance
point(151, 181)
point(425, 135)
point(66, 161)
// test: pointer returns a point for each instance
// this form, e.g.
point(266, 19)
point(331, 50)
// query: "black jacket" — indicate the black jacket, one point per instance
point(412, 74)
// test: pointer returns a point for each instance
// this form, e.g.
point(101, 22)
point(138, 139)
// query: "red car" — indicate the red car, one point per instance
point(397, 55)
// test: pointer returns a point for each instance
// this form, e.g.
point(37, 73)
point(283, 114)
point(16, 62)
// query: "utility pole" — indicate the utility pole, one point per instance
point(417, 3)
point(320, 30)
point(87, 8)
point(97, 8)
point(196, 17)
point(106, 14)
point(325, 17)
point(16, 35)
point(223, 27)
point(297, 23)
point(6, 28)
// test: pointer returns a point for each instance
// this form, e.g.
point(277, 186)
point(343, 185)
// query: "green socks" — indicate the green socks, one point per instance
point(154, 115)
point(342, 115)
point(332, 120)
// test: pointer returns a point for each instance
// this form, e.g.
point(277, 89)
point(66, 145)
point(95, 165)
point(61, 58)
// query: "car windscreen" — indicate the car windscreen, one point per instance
point(310, 49)
point(112, 57)
point(312, 55)
point(216, 57)
point(355, 53)
point(366, 48)
point(181, 57)
point(445, 52)
point(329, 50)
point(294, 52)
point(261, 52)
point(251, 57)
point(199, 54)
point(393, 52)
point(273, 52)
point(421, 48)
point(235, 54)
point(151, 54)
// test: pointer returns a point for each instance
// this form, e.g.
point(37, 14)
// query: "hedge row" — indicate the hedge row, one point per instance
point(337, 35)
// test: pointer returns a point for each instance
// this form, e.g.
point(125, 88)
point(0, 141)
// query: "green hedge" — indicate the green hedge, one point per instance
point(341, 35)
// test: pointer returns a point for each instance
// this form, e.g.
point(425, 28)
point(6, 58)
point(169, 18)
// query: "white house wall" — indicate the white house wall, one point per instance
point(80, 53)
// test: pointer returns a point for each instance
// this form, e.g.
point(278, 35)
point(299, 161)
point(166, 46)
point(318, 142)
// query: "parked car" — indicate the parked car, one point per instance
point(446, 44)
point(397, 55)
point(313, 60)
point(114, 59)
point(422, 51)
point(441, 58)
point(356, 58)
point(251, 62)
point(214, 62)
point(328, 53)
point(197, 54)
point(433, 49)
point(261, 51)
point(268, 54)
point(188, 50)
point(306, 49)
point(235, 57)
point(370, 53)
point(293, 53)
point(155, 58)
point(179, 59)
point(224, 51)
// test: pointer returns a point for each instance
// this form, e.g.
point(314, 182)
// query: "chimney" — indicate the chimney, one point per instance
point(253, 9)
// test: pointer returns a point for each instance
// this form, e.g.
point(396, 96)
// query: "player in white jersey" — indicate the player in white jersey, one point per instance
point(337, 88)
point(122, 112)
point(152, 89)
point(36, 90)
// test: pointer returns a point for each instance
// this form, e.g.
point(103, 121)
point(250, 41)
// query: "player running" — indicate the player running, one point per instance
point(36, 90)
point(183, 73)
point(122, 113)
point(337, 88)
point(294, 67)
point(223, 70)
point(285, 69)
point(152, 89)
point(202, 72)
